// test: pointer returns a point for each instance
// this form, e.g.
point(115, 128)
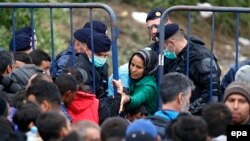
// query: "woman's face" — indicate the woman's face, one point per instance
point(136, 67)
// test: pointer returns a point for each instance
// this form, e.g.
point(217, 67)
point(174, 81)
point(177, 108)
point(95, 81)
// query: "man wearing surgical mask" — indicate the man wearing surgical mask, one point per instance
point(84, 61)
point(177, 49)
point(66, 58)
point(175, 93)
point(153, 23)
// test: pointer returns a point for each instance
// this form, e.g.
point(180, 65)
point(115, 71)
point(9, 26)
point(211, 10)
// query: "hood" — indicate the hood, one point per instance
point(194, 39)
point(82, 101)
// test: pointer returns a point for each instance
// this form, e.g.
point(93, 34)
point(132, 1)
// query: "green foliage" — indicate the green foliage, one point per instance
point(224, 22)
point(41, 25)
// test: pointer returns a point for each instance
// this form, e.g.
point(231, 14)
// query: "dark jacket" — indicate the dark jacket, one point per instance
point(155, 46)
point(19, 78)
point(199, 72)
point(101, 74)
point(1, 79)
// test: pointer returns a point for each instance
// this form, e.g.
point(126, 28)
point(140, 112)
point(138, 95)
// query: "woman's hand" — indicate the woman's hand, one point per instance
point(118, 84)
point(124, 99)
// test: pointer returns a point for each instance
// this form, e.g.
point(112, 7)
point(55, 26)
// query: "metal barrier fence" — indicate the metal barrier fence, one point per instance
point(114, 30)
point(237, 10)
point(70, 6)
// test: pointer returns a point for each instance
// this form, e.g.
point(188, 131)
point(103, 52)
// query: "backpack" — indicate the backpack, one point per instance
point(62, 58)
point(160, 124)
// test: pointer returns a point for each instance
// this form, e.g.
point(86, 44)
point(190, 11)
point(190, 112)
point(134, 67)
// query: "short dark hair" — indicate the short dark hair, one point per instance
point(38, 56)
point(5, 59)
point(173, 83)
point(39, 77)
point(113, 127)
point(23, 57)
point(66, 82)
point(217, 116)
point(72, 136)
point(19, 98)
point(27, 113)
point(44, 90)
point(142, 109)
point(7, 132)
point(81, 77)
point(189, 128)
point(3, 107)
point(74, 72)
point(49, 125)
point(6, 127)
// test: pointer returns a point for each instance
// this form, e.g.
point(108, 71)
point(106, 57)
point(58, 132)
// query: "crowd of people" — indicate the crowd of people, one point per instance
point(72, 98)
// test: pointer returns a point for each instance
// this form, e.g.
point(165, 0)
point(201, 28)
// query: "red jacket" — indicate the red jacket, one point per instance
point(84, 107)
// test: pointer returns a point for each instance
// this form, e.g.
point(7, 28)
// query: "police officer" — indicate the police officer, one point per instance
point(153, 22)
point(176, 46)
point(23, 39)
point(23, 43)
point(79, 44)
point(62, 58)
point(102, 45)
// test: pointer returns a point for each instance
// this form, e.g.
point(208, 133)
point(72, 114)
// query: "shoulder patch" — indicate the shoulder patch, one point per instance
point(205, 65)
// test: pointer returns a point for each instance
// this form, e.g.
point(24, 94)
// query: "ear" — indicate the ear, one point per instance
point(9, 69)
point(180, 97)
point(31, 124)
point(67, 94)
point(76, 45)
point(88, 52)
point(165, 43)
point(158, 138)
point(171, 41)
point(64, 132)
point(129, 117)
point(45, 106)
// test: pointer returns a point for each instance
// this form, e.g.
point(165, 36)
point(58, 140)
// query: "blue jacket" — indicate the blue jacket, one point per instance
point(229, 76)
point(60, 62)
point(65, 112)
point(167, 114)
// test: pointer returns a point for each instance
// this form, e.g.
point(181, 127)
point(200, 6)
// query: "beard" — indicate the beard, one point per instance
point(185, 107)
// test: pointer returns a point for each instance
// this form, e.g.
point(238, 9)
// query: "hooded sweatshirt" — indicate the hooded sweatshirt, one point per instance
point(84, 107)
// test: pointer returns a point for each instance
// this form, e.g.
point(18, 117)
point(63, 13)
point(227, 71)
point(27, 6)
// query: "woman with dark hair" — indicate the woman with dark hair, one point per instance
point(142, 88)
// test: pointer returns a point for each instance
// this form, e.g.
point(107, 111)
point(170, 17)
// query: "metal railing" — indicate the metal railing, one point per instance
point(214, 9)
point(51, 6)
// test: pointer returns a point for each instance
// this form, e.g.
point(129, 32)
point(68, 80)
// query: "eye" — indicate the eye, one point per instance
point(154, 26)
point(243, 101)
point(230, 100)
